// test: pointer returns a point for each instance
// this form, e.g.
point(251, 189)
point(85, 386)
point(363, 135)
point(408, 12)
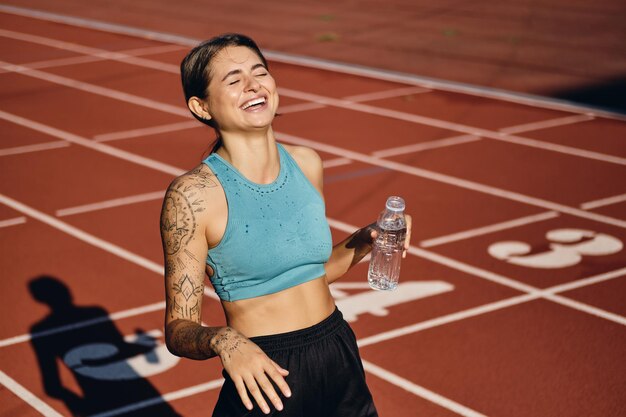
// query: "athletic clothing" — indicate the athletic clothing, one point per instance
point(326, 376)
point(276, 236)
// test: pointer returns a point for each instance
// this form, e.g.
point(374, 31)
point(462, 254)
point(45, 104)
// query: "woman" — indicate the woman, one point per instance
point(251, 217)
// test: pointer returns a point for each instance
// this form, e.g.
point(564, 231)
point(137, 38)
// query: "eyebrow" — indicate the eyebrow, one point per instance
point(238, 71)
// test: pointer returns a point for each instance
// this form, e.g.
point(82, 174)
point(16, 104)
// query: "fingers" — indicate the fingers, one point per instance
point(407, 239)
point(278, 379)
point(243, 392)
point(257, 386)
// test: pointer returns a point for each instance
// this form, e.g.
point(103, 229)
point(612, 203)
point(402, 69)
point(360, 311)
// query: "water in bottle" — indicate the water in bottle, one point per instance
point(384, 269)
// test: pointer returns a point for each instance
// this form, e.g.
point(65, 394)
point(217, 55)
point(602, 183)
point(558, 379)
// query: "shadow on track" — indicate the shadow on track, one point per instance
point(97, 356)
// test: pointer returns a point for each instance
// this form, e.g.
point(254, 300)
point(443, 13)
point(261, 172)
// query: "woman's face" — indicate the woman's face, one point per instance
point(242, 94)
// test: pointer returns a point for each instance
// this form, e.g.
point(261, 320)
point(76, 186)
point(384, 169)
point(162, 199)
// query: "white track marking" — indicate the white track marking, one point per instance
point(33, 148)
point(603, 202)
point(336, 162)
point(91, 51)
point(96, 89)
point(100, 147)
point(457, 127)
point(171, 396)
point(82, 235)
point(27, 396)
point(548, 293)
point(155, 130)
point(449, 318)
point(396, 92)
point(294, 108)
point(420, 391)
point(561, 121)
point(586, 281)
point(327, 148)
point(594, 311)
point(159, 306)
point(116, 202)
point(423, 146)
point(344, 68)
point(324, 101)
point(12, 222)
point(448, 179)
point(488, 229)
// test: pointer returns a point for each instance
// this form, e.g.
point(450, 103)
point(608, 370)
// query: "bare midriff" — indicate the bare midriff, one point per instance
point(291, 309)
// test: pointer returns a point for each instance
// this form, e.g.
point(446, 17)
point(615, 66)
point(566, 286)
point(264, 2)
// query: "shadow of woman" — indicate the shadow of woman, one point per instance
point(102, 362)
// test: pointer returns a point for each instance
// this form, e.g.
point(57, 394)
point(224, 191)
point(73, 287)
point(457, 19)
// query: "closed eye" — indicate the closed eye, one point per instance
point(233, 82)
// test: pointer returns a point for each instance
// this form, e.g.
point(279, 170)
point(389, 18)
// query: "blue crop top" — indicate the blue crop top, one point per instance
point(276, 235)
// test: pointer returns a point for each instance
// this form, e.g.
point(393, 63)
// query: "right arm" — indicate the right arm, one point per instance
point(184, 221)
point(184, 247)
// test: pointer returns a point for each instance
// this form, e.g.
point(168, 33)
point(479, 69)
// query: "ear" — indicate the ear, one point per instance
point(199, 108)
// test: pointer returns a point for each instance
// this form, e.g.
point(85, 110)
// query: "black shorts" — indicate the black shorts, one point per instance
point(326, 376)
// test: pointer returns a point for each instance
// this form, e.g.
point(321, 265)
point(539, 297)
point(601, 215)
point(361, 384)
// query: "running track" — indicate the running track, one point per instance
point(94, 129)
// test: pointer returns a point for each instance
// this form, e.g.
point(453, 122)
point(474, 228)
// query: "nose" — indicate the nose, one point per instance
point(252, 84)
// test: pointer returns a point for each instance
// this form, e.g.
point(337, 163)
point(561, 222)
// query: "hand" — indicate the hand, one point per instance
point(407, 239)
point(249, 368)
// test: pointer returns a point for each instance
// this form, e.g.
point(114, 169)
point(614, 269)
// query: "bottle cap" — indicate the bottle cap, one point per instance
point(395, 203)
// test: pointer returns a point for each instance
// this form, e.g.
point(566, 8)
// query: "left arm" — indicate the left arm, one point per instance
point(351, 250)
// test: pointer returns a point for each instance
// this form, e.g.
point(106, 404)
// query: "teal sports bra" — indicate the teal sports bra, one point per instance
point(276, 235)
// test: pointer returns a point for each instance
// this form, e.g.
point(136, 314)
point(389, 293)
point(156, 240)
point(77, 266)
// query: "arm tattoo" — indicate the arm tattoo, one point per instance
point(197, 342)
point(187, 299)
point(178, 223)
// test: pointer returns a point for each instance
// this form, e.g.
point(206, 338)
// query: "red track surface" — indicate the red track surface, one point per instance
point(502, 340)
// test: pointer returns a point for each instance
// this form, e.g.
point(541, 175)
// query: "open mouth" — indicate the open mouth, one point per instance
point(255, 103)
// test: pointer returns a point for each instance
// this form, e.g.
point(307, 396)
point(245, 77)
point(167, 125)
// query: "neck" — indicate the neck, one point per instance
point(254, 155)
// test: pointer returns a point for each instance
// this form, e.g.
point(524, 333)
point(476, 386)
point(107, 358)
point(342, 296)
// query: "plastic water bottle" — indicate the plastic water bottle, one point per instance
point(384, 269)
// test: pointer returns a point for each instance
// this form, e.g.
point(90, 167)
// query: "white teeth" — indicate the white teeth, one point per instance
point(260, 100)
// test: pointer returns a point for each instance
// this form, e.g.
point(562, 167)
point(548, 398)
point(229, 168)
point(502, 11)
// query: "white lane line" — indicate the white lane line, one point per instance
point(81, 235)
point(450, 263)
point(448, 179)
point(99, 147)
point(603, 202)
point(420, 391)
point(294, 108)
point(116, 202)
point(336, 162)
point(594, 311)
point(586, 281)
point(488, 229)
point(322, 100)
point(12, 222)
point(96, 89)
point(449, 318)
point(499, 279)
point(27, 396)
point(88, 50)
point(137, 311)
point(154, 130)
point(339, 67)
point(16, 150)
point(170, 396)
point(423, 146)
point(330, 149)
point(457, 127)
point(561, 121)
point(547, 293)
point(396, 92)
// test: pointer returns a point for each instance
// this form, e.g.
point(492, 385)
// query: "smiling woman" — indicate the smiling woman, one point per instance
point(251, 216)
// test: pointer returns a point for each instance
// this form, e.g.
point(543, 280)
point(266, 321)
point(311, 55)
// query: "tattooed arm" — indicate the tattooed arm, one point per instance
point(183, 225)
point(186, 218)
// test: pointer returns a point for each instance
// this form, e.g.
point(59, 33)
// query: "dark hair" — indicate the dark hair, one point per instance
point(195, 70)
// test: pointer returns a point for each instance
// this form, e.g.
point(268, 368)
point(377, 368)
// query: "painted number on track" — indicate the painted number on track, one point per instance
point(567, 247)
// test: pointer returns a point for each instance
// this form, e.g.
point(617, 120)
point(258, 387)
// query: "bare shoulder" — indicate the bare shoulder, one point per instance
point(307, 158)
point(191, 196)
point(309, 162)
